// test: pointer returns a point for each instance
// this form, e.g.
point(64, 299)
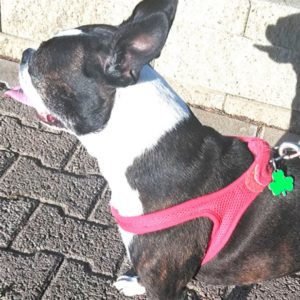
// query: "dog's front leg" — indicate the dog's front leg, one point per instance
point(165, 281)
point(164, 266)
point(130, 286)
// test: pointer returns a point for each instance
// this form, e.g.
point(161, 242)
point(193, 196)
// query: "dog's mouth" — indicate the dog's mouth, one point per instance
point(17, 94)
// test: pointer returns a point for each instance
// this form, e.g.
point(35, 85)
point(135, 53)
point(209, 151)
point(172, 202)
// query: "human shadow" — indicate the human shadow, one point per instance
point(285, 39)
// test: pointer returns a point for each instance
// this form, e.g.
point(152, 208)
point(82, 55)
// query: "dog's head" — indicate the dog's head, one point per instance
point(72, 78)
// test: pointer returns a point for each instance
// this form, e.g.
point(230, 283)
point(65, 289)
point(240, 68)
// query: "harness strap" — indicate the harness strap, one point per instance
point(224, 207)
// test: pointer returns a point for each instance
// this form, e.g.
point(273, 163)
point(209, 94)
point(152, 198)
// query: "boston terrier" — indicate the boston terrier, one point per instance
point(161, 163)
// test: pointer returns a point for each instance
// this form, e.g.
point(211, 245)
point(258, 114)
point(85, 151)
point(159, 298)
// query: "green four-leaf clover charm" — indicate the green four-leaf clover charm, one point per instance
point(281, 183)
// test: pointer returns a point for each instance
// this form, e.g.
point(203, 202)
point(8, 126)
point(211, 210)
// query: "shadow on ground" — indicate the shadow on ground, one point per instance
point(285, 39)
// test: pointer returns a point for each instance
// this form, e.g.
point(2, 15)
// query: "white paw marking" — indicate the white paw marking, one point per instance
point(129, 286)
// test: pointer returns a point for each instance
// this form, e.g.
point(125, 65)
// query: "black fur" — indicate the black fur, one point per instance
point(189, 151)
point(190, 161)
point(265, 244)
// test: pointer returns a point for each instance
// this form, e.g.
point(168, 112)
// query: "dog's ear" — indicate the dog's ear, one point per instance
point(139, 40)
point(148, 7)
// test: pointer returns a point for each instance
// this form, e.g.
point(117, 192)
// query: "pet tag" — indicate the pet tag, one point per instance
point(281, 183)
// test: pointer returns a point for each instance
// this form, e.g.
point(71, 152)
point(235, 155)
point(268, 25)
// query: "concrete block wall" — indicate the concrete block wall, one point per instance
point(241, 57)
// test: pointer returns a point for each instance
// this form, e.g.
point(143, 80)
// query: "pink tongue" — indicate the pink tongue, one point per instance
point(17, 94)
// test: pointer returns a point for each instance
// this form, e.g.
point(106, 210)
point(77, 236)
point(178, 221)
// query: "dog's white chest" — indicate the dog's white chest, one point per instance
point(141, 115)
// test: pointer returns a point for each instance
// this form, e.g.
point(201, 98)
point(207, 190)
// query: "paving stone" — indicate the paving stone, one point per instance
point(294, 3)
point(206, 98)
point(24, 113)
point(268, 114)
point(51, 230)
point(229, 15)
point(13, 46)
point(206, 291)
point(265, 14)
point(75, 194)
point(25, 277)
point(276, 136)
point(229, 64)
point(9, 72)
point(6, 159)
point(75, 281)
point(51, 149)
point(223, 15)
point(101, 214)
point(13, 214)
point(82, 163)
point(198, 96)
point(17, 17)
point(11, 108)
point(225, 124)
point(284, 288)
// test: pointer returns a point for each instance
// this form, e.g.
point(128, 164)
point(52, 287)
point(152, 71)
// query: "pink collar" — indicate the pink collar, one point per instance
point(224, 207)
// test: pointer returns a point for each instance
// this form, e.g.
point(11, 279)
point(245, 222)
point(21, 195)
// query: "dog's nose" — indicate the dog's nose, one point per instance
point(26, 55)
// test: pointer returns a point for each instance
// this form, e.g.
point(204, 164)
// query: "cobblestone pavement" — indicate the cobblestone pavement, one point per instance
point(57, 237)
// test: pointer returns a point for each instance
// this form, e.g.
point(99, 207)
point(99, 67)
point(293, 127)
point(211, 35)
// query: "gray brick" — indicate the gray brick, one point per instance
point(13, 46)
point(225, 124)
point(6, 159)
point(270, 115)
point(9, 107)
point(82, 163)
point(230, 65)
point(276, 136)
point(51, 149)
point(225, 15)
point(25, 277)
point(76, 281)
point(24, 113)
point(284, 288)
point(49, 229)
point(13, 214)
point(206, 291)
point(9, 72)
point(287, 287)
point(101, 214)
point(75, 194)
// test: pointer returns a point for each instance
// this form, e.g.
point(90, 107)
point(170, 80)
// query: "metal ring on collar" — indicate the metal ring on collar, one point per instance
point(286, 146)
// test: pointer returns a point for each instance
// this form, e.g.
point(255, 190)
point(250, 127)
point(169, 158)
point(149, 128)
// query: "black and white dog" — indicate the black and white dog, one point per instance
point(95, 82)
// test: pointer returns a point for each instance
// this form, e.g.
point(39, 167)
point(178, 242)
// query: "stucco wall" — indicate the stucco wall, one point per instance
point(211, 56)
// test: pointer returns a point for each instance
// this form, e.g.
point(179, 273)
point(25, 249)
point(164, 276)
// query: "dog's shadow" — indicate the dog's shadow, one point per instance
point(285, 39)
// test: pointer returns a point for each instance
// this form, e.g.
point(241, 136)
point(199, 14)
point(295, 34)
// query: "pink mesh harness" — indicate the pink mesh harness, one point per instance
point(224, 207)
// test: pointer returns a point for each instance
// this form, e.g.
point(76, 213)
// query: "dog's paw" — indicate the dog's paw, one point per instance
point(129, 286)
